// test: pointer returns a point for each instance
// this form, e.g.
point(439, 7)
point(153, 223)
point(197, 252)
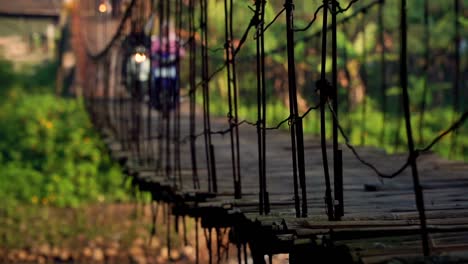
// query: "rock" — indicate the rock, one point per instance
point(41, 260)
point(114, 244)
point(31, 258)
point(111, 252)
point(98, 255)
point(188, 251)
point(87, 252)
point(164, 253)
point(136, 252)
point(11, 255)
point(175, 254)
point(44, 249)
point(139, 260)
point(151, 260)
point(55, 252)
point(22, 255)
point(65, 255)
point(161, 259)
point(138, 242)
point(155, 243)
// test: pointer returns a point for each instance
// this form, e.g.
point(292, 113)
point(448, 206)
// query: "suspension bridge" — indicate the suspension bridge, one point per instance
point(275, 188)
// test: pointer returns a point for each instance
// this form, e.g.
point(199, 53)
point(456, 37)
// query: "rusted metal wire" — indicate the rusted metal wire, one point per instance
point(324, 90)
point(232, 97)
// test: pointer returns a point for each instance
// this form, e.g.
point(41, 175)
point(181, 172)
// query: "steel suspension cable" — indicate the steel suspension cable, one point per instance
point(160, 125)
point(297, 147)
point(232, 96)
point(134, 104)
point(323, 98)
point(192, 95)
point(177, 164)
point(150, 84)
point(266, 198)
point(238, 184)
point(411, 148)
point(319, 32)
point(209, 148)
point(168, 97)
point(261, 106)
point(258, 7)
point(337, 153)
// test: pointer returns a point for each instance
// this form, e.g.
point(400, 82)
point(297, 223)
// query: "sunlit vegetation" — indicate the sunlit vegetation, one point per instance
point(360, 76)
point(49, 152)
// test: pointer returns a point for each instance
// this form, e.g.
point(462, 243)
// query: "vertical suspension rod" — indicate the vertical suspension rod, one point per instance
point(297, 144)
point(205, 80)
point(230, 83)
point(178, 169)
point(337, 153)
point(259, 107)
point(238, 187)
point(323, 98)
point(193, 65)
point(166, 98)
point(159, 162)
point(406, 108)
point(266, 199)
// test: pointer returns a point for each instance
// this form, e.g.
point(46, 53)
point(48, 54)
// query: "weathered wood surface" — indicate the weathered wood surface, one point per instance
point(385, 210)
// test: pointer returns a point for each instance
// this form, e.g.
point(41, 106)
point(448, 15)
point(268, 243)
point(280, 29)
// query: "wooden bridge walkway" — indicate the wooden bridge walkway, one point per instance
point(381, 222)
point(380, 217)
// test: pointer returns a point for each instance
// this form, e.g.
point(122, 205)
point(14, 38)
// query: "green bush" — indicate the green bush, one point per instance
point(49, 152)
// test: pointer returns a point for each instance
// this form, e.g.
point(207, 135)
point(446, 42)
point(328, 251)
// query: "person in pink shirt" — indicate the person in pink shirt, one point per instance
point(166, 52)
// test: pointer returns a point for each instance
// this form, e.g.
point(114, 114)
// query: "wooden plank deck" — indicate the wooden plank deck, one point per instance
point(380, 218)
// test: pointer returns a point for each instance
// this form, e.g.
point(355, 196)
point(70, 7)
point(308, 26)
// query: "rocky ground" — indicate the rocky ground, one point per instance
point(103, 233)
point(115, 233)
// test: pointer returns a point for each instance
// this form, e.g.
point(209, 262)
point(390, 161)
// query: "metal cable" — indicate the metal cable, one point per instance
point(232, 97)
point(456, 125)
point(192, 91)
point(205, 91)
point(323, 89)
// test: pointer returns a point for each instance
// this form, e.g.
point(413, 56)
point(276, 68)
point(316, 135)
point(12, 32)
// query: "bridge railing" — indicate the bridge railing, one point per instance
point(367, 61)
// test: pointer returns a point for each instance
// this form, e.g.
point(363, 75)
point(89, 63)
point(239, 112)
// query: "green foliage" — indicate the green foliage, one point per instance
point(433, 84)
point(49, 153)
point(7, 77)
point(31, 78)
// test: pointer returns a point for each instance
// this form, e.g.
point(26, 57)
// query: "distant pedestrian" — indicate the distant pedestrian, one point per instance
point(165, 52)
point(137, 65)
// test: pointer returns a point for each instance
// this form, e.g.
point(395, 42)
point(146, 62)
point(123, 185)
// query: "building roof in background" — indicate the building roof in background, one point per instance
point(31, 8)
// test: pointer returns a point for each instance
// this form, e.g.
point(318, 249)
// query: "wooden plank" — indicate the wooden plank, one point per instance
point(388, 210)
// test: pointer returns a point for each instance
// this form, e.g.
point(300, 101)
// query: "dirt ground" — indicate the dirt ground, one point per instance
point(104, 233)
